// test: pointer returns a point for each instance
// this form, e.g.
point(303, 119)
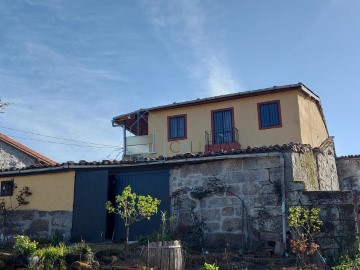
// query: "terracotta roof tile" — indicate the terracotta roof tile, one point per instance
point(292, 147)
point(41, 158)
point(349, 156)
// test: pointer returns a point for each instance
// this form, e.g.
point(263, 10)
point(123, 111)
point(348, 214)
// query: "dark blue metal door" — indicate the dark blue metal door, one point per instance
point(89, 214)
point(153, 183)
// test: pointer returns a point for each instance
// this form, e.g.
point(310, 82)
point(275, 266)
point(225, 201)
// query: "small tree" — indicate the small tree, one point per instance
point(304, 224)
point(132, 208)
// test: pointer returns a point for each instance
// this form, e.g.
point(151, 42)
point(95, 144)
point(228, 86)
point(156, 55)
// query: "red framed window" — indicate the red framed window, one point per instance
point(177, 127)
point(269, 114)
point(223, 124)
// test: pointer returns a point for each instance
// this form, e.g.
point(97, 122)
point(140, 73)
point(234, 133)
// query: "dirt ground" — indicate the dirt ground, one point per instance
point(112, 256)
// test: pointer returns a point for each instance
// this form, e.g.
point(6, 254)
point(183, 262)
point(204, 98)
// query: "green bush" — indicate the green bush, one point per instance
point(82, 247)
point(348, 263)
point(208, 266)
point(304, 224)
point(153, 237)
point(57, 238)
point(50, 257)
point(53, 257)
point(24, 246)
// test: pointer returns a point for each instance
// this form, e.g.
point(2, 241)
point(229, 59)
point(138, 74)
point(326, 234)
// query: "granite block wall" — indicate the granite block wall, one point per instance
point(349, 173)
point(11, 157)
point(247, 209)
point(41, 225)
point(337, 211)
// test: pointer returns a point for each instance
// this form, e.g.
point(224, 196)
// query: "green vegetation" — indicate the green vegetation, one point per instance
point(132, 208)
point(51, 256)
point(24, 246)
point(208, 266)
point(348, 263)
point(165, 227)
point(7, 209)
point(82, 247)
point(57, 239)
point(304, 224)
point(350, 260)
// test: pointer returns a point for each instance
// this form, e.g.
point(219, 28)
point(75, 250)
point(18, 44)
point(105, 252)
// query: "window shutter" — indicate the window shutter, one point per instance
point(269, 115)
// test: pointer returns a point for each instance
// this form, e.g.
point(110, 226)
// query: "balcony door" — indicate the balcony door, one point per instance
point(222, 126)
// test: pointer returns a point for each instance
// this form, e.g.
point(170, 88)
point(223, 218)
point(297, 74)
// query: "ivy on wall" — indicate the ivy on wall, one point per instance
point(7, 210)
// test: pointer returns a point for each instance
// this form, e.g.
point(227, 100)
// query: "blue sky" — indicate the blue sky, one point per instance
point(68, 67)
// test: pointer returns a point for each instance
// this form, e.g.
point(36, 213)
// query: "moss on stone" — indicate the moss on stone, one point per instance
point(308, 162)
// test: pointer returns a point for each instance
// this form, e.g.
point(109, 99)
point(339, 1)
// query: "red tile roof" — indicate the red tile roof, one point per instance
point(188, 157)
point(39, 157)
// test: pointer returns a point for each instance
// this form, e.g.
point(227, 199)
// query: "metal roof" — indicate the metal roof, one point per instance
point(274, 89)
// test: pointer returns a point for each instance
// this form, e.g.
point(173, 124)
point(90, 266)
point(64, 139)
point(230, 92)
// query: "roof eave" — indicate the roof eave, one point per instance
point(264, 91)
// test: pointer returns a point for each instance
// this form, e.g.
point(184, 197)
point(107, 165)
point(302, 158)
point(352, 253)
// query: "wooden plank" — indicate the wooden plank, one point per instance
point(152, 254)
point(158, 254)
point(166, 256)
point(172, 259)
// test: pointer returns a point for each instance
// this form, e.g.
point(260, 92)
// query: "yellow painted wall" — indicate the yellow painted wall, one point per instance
point(313, 129)
point(51, 191)
point(246, 121)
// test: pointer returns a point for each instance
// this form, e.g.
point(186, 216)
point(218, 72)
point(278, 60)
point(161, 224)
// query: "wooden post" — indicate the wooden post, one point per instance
point(147, 265)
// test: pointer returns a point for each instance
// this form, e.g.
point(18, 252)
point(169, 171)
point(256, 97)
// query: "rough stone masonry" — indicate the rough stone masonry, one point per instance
point(248, 211)
point(11, 157)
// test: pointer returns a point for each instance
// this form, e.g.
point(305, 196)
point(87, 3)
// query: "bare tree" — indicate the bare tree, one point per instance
point(3, 105)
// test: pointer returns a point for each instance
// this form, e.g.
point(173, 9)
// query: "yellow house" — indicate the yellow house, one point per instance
point(47, 211)
point(270, 116)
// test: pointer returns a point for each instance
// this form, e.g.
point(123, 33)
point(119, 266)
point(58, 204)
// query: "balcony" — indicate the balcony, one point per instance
point(221, 140)
point(142, 146)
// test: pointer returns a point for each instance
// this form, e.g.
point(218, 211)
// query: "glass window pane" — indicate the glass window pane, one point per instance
point(177, 127)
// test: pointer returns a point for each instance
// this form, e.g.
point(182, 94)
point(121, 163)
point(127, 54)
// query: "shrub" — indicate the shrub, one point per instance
point(208, 266)
point(24, 246)
point(304, 224)
point(53, 257)
point(50, 257)
point(57, 239)
point(347, 263)
point(82, 247)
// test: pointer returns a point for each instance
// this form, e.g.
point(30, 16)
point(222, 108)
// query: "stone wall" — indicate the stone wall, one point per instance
point(349, 173)
point(326, 166)
point(247, 209)
point(305, 170)
point(12, 157)
point(250, 207)
point(41, 225)
point(338, 232)
point(316, 168)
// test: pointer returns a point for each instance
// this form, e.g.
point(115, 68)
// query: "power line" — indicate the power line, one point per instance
point(80, 145)
point(119, 151)
point(59, 138)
